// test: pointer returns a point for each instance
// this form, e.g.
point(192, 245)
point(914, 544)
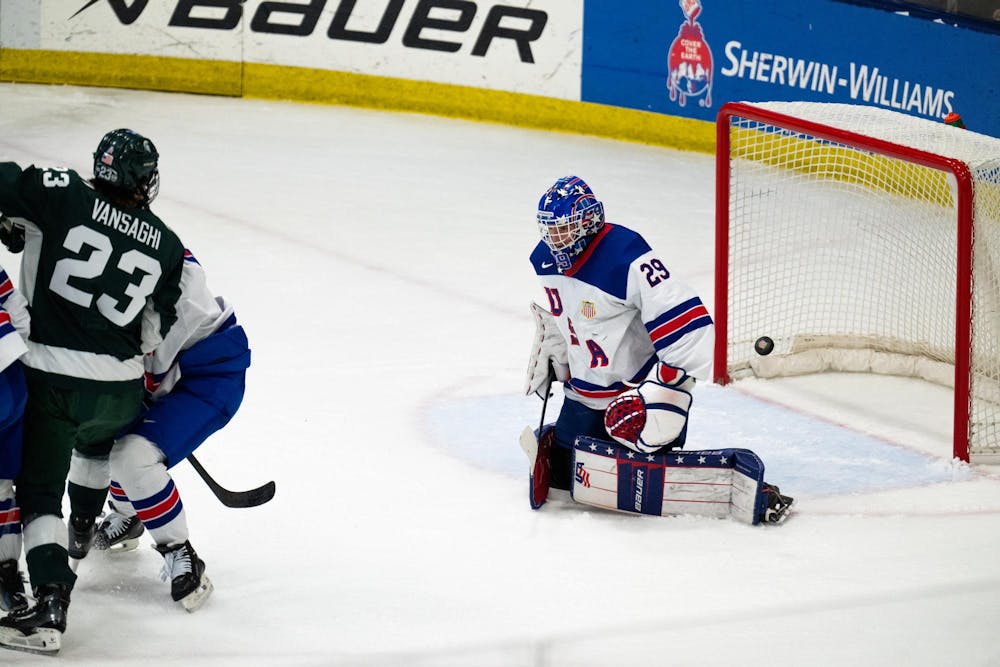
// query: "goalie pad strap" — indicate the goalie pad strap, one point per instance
point(715, 483)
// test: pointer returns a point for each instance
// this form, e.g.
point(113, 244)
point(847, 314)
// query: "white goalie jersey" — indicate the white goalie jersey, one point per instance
point(624, 317)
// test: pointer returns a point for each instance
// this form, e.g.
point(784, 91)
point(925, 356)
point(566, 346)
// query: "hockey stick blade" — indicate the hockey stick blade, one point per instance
point(251, 498)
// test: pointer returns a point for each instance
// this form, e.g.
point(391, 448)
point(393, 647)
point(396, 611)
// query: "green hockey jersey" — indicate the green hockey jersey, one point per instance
point(102, 281)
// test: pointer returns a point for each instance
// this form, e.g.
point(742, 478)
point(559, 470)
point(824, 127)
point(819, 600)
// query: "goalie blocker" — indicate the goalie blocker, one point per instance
point(715, 483)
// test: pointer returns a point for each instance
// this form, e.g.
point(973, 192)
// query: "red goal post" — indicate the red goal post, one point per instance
point(861, 239)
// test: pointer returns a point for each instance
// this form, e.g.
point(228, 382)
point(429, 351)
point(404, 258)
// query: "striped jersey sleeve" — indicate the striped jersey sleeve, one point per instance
point(13, 321)
point(677, 321)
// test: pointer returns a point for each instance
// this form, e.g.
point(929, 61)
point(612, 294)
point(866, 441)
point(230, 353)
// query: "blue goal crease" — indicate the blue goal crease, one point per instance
point(811, 456)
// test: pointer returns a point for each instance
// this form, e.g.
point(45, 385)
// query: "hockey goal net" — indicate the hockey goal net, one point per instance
point(861, 239)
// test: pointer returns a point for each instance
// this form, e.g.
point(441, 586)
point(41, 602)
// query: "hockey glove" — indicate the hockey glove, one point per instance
point(11, 235)
point(648, 417)
point(548, 350)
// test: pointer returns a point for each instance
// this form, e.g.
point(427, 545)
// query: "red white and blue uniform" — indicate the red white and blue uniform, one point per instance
point(197, 375)
point(623, 316)
point(14, 323)
point(195, 378)
point(622, 313)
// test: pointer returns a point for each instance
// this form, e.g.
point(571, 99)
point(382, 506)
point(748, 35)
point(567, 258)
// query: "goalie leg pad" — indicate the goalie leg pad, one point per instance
point(715, 483)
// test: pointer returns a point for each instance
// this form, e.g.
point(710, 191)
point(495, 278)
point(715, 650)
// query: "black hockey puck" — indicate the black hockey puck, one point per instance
point(763, 346)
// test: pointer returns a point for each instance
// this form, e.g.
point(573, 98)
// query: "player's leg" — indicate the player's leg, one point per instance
point(13, 395)
point(48, 438)
point(57, 419)
point(173, 428)
point(140, 469)
point(140, 466)
point(143, 489)
point(87, 480)
point(11, 581)
point(101, 417)
point(152, 498)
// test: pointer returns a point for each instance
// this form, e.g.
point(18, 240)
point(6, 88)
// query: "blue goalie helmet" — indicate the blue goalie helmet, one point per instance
point(568, 217)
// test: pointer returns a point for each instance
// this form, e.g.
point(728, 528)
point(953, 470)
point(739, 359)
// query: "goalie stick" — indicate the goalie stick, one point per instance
point(545, 398)
point(538, 478)
point(251, 498)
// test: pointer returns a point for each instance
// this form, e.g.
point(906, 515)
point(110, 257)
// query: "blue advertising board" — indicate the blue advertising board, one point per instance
point(689, 57)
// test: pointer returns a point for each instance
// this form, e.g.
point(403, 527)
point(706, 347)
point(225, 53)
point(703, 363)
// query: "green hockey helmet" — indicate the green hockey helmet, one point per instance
point(127, 162)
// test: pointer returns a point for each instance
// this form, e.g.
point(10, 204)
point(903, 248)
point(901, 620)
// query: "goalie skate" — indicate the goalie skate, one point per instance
point(778, 506)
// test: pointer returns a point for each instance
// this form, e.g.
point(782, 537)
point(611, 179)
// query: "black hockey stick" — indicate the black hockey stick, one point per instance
point(545, 398)
point(251, 498)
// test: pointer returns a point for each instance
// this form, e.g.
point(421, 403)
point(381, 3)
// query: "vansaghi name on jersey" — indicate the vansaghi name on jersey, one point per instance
point(129, 225)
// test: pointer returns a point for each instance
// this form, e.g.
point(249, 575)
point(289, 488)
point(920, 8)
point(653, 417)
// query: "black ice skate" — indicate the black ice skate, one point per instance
point(186, 572)
point(81, 537)
point(12, 587)
point(38, 629)
point(777, 504)
point(119, 533)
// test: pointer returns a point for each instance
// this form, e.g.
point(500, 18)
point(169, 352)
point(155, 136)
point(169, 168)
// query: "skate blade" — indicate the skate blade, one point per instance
point(124, 546)
point(43, 641)
point(196, 598)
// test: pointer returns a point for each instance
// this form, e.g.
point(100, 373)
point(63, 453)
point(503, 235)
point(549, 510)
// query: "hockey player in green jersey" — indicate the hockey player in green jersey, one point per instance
point(101, 273)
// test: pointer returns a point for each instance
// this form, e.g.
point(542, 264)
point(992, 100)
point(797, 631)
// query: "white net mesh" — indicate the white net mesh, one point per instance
point(847, 258)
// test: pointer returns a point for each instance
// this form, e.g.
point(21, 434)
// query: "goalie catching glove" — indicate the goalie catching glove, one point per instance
point(650, 416)
point(548, 351)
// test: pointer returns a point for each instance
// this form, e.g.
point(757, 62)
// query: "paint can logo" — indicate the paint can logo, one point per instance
point(689, 61)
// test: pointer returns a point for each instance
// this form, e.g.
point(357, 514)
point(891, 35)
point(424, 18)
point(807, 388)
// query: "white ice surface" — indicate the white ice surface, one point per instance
point(379, 264)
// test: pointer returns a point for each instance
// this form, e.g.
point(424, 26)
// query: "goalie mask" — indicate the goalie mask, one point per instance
point(568, 217)
point(127, 162)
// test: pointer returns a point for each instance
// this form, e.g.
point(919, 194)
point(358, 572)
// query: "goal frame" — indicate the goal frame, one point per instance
point(964, 223)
